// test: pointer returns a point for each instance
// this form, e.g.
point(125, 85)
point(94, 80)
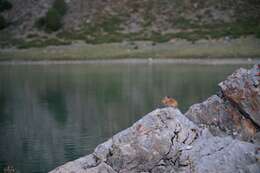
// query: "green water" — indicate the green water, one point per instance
point(51, 114)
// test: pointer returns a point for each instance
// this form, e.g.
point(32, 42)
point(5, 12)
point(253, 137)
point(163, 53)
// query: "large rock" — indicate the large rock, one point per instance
point(166, 141)
point(236, 111)
point(223, 155)
point(157, 136)
point(221, 118)
point(243, 90)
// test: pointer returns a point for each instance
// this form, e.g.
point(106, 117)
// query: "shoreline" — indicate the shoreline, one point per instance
point(175, 51)
point(198, 61)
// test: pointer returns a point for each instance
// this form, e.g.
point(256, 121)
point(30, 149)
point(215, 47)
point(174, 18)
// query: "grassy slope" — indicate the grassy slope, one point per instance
point(242, 47)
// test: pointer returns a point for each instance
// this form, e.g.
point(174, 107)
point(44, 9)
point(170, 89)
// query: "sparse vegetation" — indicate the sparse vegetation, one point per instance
point(5, 5)
point(60, 6)
point(108, 27)
point(110, 24)
point(53, 19)
point(2, 22)
point(96, 34)
point(183, 23)
point(106, 31)
point(40, 23)
point(42, 43)
point(32, 35)
point(243, 47)
point(258, 31)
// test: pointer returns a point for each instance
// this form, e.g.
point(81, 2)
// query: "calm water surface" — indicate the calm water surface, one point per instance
point(51, 114)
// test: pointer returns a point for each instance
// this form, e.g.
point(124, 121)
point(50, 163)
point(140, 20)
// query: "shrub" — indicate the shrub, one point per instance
point(111, 24)
point(184, 23)
point(42, 43)
point(2, 22)
point(5, 5)
point(257, 32)
point(40, 23)
point(60, 6)
point(53, 20)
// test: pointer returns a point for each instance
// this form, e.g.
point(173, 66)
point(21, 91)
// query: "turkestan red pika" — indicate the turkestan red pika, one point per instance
point(167, 101)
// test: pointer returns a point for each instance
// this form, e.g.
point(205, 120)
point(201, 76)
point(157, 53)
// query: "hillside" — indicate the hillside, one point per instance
point(103, 21)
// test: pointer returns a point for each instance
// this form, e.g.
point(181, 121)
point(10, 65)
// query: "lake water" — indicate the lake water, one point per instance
point(51, 114)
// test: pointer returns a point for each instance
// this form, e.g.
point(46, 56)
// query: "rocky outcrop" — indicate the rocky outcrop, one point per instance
point(166, 141)
point(242, 89)
point(236, 109)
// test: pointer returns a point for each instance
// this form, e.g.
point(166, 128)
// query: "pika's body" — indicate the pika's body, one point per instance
point(167, 101)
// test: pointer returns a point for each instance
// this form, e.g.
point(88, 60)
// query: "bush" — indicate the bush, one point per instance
point(257, 32)
point(53, 20)
point(40, 23)
point(60, 6)
point(42, 43)
point(2, 22)
point(5, 5)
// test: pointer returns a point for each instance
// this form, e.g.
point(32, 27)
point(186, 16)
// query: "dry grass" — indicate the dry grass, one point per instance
point(242, 47)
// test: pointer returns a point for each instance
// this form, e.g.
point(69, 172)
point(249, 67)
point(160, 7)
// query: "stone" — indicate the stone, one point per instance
point(221, 118)
point(243, 91)
point(223, 155)
point(165, 141)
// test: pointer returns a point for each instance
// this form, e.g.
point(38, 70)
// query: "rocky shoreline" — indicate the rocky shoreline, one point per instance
point(219, 135)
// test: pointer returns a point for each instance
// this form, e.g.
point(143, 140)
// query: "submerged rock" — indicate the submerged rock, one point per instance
point(166, 141)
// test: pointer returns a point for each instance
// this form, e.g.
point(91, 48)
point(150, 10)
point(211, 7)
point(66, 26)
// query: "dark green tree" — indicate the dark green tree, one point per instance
point(5, 5)
point(2, 22)
point(60, 6)
point(53, 20)
point(257, 32)
point(40, 22)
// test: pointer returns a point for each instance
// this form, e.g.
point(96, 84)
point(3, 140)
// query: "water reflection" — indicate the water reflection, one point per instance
point(56, 113)
point(56, 105)
point(2, 108)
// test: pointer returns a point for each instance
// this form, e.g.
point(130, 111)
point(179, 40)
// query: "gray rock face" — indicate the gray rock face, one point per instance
point(237, 111)
point(221, 118)
point(221, 155)
point(243, 90)
point(166, 141)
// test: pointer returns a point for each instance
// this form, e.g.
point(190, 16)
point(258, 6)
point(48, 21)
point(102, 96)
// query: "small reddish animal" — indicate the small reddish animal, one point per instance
point(167, 101)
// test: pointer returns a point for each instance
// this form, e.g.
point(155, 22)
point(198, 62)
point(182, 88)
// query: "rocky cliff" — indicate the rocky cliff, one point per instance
point(218, 135)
